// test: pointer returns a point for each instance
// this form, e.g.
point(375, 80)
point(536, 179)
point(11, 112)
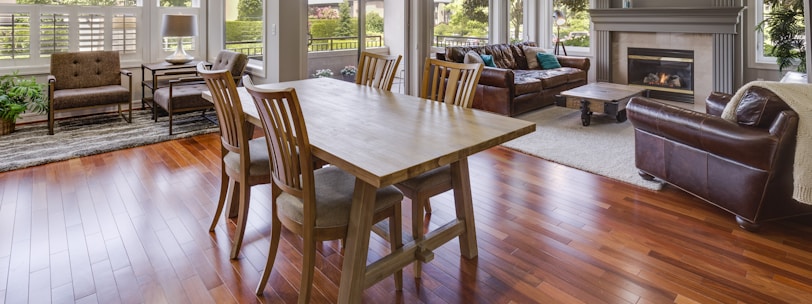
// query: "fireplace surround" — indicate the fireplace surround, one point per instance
point(711, 31)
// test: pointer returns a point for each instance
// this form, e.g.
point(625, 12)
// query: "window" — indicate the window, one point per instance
point(516, 21)
point(575, 32)
point(243, 27)
point(785, 45)
point(53, 37)
point(461, 22)
point(15, 31)
point(84, 25)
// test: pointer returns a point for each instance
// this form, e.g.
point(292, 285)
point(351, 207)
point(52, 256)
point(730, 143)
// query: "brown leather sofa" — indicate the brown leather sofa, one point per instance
point(512, 88)
point(744, 168)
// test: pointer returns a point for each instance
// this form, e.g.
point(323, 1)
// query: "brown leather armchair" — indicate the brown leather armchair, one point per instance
point(744, 168)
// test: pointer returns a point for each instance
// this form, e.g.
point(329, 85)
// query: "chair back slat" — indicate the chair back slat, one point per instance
point(376, 70)
point(228, 107)
point(286, 134)
point(450, 82)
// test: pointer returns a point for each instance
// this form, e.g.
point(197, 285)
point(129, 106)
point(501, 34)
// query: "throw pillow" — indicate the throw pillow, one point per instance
point(472, 57)
point(530, 52)
point(547, 61)
point(488, 59)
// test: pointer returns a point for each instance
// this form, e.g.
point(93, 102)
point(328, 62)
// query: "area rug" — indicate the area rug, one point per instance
point(30, 145)
point(605, 147)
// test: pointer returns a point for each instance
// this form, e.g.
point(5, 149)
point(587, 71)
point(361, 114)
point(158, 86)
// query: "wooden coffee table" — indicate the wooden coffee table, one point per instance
point(599, 97)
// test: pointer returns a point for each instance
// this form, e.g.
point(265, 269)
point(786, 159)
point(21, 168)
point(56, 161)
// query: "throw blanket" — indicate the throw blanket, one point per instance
point(799, 97)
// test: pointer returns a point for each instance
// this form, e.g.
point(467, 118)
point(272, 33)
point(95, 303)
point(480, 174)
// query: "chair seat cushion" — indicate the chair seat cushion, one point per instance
point(89, 97)
point(334, 191)
point(434, 177)
point(184, 97)
point(260, 162)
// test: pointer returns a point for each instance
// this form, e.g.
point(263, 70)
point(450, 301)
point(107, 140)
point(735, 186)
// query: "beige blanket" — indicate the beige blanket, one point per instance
point(799, 97)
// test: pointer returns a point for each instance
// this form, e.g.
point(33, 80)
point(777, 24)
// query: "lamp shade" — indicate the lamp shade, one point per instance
point(179, 26)
point(559, 17)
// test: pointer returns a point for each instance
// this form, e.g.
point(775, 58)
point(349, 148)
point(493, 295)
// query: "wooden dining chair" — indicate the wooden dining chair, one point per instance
point(312, 203)
point(452, 83)
point(376, 70)
point(244, 161)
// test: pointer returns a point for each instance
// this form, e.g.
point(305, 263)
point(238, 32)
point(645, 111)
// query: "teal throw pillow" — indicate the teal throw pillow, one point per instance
point(547, 61)
point(488, 60)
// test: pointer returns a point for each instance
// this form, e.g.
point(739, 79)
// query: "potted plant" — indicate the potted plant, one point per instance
point(349, 73)
point(18, 94)
point(784, 27)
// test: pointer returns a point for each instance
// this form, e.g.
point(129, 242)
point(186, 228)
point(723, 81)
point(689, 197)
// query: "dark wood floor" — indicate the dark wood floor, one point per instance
point(131, 226)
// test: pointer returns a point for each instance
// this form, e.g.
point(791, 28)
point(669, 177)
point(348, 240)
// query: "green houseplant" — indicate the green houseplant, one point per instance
point(784, 27)
point(18, 94)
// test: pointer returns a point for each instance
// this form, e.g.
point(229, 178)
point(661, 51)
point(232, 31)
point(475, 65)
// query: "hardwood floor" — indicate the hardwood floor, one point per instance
point(131, 227)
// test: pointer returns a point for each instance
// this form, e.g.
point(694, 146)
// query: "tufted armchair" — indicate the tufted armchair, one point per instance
point(184, 94)
point(745, 168)
point(86, 80)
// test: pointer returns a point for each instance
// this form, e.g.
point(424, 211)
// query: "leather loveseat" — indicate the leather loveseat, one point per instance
point(512, 88)
point(745, 168)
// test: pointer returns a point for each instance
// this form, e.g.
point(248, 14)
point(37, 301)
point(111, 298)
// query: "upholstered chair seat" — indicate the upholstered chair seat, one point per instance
point(259, 165)
point(334, 189)
point(89, 97)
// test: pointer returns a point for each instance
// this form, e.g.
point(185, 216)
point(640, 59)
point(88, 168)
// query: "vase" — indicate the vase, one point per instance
point(6, 126)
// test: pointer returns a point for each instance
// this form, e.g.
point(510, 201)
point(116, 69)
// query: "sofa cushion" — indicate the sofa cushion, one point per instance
point(547, 61)
point(524, 82)
point(530, 53)
point(505, 56)
point(549, 78)
point(759, 107)
point(488, 60)
point(473, 57)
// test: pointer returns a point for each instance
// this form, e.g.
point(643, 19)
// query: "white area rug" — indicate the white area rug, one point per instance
point(605, 147)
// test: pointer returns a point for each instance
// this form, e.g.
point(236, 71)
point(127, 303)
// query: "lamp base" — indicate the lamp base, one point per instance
point(180, 56)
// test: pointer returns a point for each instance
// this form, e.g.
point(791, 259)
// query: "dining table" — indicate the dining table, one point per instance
point(383, 138)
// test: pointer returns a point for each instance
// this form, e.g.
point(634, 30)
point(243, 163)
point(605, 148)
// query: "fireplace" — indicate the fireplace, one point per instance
point(667, 74)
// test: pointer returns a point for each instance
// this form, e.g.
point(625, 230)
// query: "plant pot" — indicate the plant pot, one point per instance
point(350, 78)
point(6, 126)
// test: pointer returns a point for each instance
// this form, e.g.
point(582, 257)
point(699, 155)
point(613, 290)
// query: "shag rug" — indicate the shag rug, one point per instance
point(30, 145)
point(605, 147)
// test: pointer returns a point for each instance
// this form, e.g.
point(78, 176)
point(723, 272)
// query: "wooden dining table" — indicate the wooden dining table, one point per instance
point(384, 138)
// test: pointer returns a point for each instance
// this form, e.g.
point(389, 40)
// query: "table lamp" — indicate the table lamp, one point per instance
point(179, 26)
point(559, 19)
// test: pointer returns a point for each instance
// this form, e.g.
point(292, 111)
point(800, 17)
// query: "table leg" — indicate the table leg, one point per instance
point(353, 272)
point(586, 115)
point(464, 206)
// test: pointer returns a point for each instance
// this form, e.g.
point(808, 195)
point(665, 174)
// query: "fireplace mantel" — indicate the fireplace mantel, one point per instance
point(703, 20)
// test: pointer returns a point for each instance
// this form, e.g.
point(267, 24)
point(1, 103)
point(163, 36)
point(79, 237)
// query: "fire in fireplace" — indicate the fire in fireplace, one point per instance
point(667, 74)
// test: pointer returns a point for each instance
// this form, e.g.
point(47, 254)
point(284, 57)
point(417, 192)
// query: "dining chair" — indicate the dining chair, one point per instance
point(376, 70)
point(452, 83)
point(244, 162)
point(314, 204)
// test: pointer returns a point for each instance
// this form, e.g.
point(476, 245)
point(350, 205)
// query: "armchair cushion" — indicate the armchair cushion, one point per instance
point(759, 107)
point(89, 96)
point(183, 96)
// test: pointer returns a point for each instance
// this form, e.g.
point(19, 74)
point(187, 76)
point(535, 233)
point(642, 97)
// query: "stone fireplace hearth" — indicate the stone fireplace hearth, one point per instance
point(712, 33)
